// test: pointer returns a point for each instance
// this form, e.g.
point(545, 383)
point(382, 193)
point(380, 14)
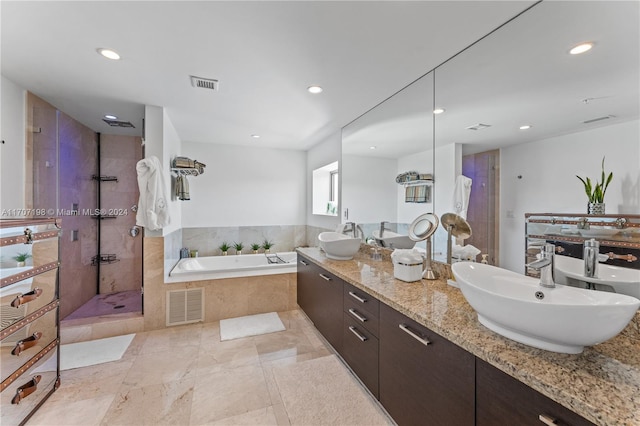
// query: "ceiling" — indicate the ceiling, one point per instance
point(265, 54)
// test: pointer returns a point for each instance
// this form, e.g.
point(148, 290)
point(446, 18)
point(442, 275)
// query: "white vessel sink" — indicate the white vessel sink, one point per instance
point(570, 271)
point(561, 319)
point(339, 246)
point(392, 240)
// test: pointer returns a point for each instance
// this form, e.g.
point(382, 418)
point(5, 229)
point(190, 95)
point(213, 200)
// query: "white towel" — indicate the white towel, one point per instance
point(153, 207)
point(461, 195)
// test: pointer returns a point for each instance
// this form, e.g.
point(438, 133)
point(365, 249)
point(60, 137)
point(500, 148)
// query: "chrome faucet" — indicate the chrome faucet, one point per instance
point(382, 227)
point(545, 264)
point(353, 228)
point(590, 255)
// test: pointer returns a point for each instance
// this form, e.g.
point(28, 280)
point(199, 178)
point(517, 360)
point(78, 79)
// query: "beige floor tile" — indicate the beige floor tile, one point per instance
point(283, 344)
point(217, 356)
point(228, 393)
point(163, 404)
point(85, 412)
point(172, 338)
point(262, 417)
point(163, 367)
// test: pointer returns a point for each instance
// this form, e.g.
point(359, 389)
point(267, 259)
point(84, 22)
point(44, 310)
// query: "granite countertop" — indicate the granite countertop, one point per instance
point(602, 384)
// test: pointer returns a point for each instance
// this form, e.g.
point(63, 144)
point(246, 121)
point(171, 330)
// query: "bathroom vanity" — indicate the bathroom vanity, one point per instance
point(29, 347)
point(420, 350)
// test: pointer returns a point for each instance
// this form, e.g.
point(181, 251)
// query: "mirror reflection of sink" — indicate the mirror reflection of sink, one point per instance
point(392, 240)
point(570, 271)
point(561, 319)
point(339, 246)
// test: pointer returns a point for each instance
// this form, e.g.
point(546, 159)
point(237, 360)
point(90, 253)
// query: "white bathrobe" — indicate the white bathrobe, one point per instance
point(461, 195)
point(153, 206)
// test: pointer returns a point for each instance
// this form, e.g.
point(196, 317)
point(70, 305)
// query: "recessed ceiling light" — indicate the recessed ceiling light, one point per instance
point(581, 48)
point(438, 110)
point(314, 89)
point(110, 117)
point(525, 127)
point(109, 53)
point(255, 136)
point(372, 147)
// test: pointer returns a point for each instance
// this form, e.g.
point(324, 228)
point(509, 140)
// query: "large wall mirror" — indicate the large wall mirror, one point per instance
point(393, 138)
point(579, 109)
point(529, 116)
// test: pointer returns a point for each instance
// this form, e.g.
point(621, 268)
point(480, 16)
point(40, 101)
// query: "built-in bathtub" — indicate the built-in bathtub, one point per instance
point(232, 266)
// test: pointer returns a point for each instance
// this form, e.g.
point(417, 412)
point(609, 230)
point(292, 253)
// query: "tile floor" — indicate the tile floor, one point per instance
point(185, 376)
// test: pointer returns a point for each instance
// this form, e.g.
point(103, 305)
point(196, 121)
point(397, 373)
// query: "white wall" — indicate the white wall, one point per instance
point(12, 132)
point(162, 141)
point(245, 186)
point(369, 185)
point(549, 184)
point(323, 153)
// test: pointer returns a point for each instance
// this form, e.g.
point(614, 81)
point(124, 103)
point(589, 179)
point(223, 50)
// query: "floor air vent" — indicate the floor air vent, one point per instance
point(185, 306)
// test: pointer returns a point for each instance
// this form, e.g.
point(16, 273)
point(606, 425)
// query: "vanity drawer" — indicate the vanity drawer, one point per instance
point(36, 383)
point(361, 300)
point(28, 340)
point(364, 318)
point(25, 297)
point(360, 351)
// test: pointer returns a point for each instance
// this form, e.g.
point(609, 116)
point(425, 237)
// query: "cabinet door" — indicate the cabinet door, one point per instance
point(306, 287)
point(501, 399)
point(424, 378)
point(320, 297)
point(360, 351)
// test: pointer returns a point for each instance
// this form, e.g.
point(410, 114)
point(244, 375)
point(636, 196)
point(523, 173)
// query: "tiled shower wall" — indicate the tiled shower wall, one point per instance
point(118, 157)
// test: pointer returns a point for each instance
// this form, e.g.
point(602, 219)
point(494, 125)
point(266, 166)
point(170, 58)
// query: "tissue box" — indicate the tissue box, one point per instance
point(408, 272)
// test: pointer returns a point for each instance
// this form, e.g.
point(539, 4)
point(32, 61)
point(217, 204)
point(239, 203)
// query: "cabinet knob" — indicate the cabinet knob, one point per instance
point(547, 420)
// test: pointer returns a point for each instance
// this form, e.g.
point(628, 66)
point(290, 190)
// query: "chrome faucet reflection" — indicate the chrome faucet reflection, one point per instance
point(545, 264)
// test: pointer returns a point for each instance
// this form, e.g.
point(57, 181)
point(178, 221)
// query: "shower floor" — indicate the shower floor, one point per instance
point(109, 304)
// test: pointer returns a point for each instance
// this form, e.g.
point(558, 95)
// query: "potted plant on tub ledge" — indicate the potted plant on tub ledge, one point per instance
point(595, 193)
point(255, 247)
point(224, 248)
point(238, 247)
point(266, 245)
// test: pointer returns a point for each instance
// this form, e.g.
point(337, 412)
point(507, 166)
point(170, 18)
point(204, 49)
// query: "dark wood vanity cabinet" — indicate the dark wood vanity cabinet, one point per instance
point(320, 297)
point(501, 399)
point(424, 378)
point(360, 335)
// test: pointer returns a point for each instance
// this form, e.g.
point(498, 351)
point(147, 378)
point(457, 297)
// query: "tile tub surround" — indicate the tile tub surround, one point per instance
point(601, 384)
point(207, 239)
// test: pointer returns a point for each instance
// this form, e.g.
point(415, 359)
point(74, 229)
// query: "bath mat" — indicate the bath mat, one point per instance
point(92, 352)
point(321, 391)
point(251, 325)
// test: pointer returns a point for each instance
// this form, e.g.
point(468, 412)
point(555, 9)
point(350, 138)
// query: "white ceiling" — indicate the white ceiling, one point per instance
point(265, 54)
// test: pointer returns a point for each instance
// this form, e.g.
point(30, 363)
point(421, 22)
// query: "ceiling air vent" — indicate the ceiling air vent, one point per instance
point(118, 123)
point(478, 126)
point(593, 120)
point(204, 83)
